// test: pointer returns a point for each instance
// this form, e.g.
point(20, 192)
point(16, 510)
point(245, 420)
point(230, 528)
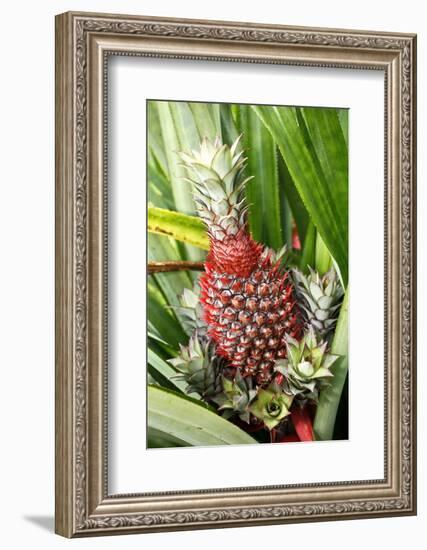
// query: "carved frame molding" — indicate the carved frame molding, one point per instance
point(83, 44)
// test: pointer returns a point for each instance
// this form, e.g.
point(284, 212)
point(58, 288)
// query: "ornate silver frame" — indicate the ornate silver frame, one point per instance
point(83, 42)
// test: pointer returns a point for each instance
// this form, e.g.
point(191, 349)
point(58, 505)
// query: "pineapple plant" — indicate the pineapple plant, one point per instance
point(248, 299)
point(256, 327)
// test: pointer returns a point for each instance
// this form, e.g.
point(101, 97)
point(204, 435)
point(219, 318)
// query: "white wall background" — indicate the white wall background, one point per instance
point(27, 272)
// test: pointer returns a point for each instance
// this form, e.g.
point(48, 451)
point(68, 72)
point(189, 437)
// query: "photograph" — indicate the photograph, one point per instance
point(247, 279)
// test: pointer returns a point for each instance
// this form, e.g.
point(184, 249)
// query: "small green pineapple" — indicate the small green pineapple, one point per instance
point(199, 367)
point(189, 311)
point(320, 299)
point(271, 405)
point(307, 365)
point(236, 397)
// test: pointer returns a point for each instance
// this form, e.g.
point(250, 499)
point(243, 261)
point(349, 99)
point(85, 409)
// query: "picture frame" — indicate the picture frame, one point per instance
point(84, 42)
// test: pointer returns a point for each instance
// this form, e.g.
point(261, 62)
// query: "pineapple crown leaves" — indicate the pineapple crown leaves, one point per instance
point(320, 298)
point(216, 173)
point(274, 257)
point(307, 366)
point(236, 396)
point(198, 366)
point(271, 405)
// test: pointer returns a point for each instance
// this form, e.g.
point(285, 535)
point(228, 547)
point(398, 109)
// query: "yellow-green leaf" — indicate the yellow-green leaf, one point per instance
point(181, 227)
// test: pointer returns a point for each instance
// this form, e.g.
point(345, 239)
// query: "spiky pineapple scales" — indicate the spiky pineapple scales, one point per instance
point(247, 298)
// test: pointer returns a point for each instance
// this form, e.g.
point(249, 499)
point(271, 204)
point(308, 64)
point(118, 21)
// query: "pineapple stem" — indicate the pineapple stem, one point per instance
point(164, 267)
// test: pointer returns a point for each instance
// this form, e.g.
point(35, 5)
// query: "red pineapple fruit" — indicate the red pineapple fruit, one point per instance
point(247, 298)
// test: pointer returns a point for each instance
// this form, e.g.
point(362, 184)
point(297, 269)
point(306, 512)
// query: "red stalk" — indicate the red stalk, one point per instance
point(302, 423)
point(296, 243)
point(291, 438)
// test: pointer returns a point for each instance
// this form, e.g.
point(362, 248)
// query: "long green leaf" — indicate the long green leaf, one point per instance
point(181, 419)
point(183, 125)
point(159, 187)
point(312, 144)
point(188, 229)
point(179, 133)
point(161, 319)
point(160, 440)
point(326, 135)
point(159, 191)
point(158, 344)
point(207, 119)
point(228, 126)
point(287, 186)
point(330, 397)
point(163, 373)
point(155, 146)
point(262, 192)
point(173, 283)
point(323, 259)
point(343, 118)
point(172, 144)
point(308, 248)
point(259, 212)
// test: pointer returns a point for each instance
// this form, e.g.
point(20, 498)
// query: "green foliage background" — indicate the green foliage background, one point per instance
point(299, 159)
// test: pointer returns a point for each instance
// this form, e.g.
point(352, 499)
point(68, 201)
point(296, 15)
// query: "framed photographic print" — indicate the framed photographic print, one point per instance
point(235, 274)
